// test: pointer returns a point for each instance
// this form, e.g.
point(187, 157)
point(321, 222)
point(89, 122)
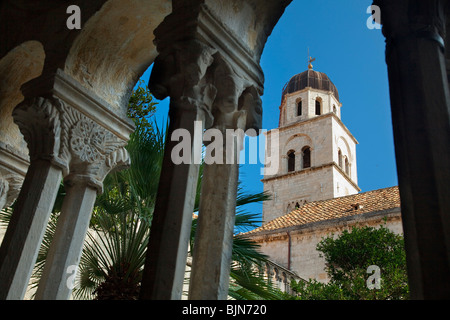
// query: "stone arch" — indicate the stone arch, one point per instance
point(297, 142)
point(115, 47)
point(18, 66)
point(343, 145)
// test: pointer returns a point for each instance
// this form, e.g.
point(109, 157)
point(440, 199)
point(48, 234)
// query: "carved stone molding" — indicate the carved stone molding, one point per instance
point(38, 119)
point(200, 23)
point(4, 188)
point(90, 150)
point(181, 72)
point(56, 127)
point(203, 64)
point(237, 99)
point(10, 185)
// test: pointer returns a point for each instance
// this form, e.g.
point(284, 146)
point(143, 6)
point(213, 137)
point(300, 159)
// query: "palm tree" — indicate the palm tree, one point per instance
point(113, 258)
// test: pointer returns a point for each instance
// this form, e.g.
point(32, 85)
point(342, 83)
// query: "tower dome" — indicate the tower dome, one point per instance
point(310, 78)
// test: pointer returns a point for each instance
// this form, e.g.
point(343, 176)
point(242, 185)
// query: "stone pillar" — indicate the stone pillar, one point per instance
point(13, 168)
point(180, 72)
point(234, 110)
point(190, 42)
point(38, 120)
point(94, 152)
point(72, 133)
point(420, 104)
point(10, 185)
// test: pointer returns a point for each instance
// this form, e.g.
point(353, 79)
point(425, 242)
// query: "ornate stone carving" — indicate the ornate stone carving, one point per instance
point(60, 133)
point(91, 150)
point(88, 141)
point(4, 188)
point(10, 185)
point(38, 119)
point(181, 72)
point(236, 97)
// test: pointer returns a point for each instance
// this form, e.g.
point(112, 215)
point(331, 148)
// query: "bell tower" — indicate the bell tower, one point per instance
point(317, 153)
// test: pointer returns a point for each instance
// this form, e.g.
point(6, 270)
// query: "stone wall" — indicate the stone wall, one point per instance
point(304, 258)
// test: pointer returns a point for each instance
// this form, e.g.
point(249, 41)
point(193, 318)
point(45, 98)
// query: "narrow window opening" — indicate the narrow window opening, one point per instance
point(291, 161)
point(318, 108)
point(299, 108)
point(306, 157)
point(347, 166)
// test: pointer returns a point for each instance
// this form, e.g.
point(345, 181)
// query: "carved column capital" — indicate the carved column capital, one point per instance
point(10, 185)
point(72, 128)
point(82, 148)
point(237, 104)
point(181, 72)
point(39, 122)
point(90, 150)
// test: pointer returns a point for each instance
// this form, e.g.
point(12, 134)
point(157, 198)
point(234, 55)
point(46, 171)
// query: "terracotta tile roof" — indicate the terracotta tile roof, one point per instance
point(371, 201)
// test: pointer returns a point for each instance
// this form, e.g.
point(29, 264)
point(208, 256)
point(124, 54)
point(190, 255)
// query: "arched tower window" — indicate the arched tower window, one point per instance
point(318, 107)
point(306, 157)
point(340, 158)
point(347, 166)
point(299, 108)
point(291, 161)
point(334, 109)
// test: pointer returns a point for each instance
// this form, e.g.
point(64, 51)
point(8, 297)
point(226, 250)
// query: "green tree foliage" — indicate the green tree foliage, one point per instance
point(348, 258)
point(141, 106)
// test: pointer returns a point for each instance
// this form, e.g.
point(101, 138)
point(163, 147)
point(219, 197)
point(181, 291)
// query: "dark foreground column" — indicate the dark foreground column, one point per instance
point(420, 105)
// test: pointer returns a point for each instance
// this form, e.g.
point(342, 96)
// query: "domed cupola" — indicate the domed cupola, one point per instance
point(310, 78)
point(307, 95)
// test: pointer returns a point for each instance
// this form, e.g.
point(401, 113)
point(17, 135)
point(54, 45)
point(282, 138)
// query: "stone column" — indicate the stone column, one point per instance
point(180, 72)
point(10, 185)
point(72, 133)
point(93, 152)
point(420, 104)
point(189, 41)
point(38, 120)
point(236, 111)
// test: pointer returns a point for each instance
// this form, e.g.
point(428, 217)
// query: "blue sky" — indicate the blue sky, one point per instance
point(353, 57)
